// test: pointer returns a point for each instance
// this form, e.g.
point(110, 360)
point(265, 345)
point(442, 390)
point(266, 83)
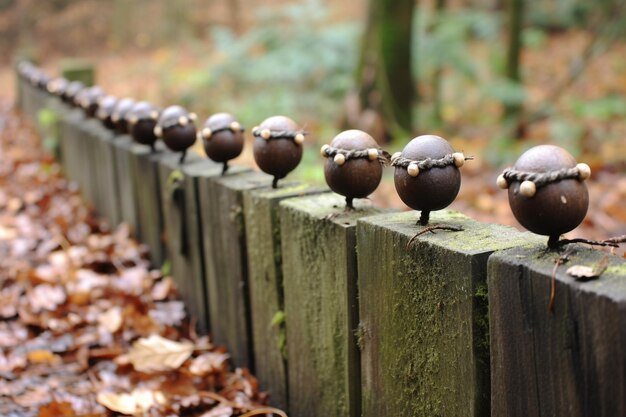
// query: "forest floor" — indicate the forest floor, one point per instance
point(87, 327)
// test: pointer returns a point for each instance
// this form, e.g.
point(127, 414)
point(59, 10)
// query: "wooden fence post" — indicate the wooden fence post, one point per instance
point(570, 362)
point(104, 167)
point(121, 146)
point(321, 305)
point(144, 173)
point(223, 234)
point(424, 331)
point(265, 280)
point(182, 228)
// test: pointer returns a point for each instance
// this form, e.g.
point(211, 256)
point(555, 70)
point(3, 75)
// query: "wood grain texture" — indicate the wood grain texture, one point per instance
point(223, 232)
point(266, 284)
point(567, 363)
point(144, 173)
point(125, 186)
point(182, 228)
point(107, 198)
point(318, 240)
point(424, 329)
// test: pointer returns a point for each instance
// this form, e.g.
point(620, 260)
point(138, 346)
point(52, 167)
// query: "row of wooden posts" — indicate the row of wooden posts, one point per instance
point(334, 313)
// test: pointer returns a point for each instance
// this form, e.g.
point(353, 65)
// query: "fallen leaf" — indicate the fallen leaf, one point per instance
point(136, 402)
point(219, 411)
point(111, 319)
point(56, 409)
point(580, 271)
point(155, 353)
point(46, 297)
point(208, 363)
point(42, 356)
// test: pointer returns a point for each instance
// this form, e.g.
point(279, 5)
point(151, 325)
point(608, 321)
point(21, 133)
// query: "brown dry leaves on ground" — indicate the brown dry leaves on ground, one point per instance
point(87, 329)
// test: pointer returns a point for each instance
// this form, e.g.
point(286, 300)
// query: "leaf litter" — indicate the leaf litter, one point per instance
point(88, 328)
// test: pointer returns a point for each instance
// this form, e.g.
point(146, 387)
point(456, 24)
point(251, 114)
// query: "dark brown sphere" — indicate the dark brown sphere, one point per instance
point(224, 139)
point(142, 119)
point(432, 189)
point(177, 136)
point(120, 112)
point(106, 105)
point(279, 156)
point(556, 208)
point(57, 86)
point(72, 89)
point(88, 99)
point(355, 178)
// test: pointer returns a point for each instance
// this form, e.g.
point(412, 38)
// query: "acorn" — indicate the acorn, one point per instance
point(70, 92)
point(142, 118)
point(177, 129)
point(547, 192)
point(277, 146)
point(222, 136)
point(427, 176)
point(106, 104)
point(88, 99)
point(354, 165)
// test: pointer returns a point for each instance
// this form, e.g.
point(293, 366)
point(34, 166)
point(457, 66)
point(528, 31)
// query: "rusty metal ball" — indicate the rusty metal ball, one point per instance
point(276, 156)
point(554, 208)
point(105, 109)
point(432, 189)
point(222, 137)
point(358, 177)
point(120, 112)
point(177, 136)
point(57, 86)
point(142, 118)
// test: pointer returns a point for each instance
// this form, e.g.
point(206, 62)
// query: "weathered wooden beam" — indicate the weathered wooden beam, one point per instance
point(223, 234)
point(318, 241)
point(265, 280)
point(125, 186)
point(569, 362)
point(424, 334)
point(182, 228)
point(107, 198)
point(144, 173)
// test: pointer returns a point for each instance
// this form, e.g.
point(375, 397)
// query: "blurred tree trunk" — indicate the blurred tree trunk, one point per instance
point(120, 28)
point(440, 6)
point(384, 78)
point(234, 8)
point(515, 10)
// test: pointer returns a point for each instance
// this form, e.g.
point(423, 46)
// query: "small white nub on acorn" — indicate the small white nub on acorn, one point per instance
point(372, 154)
point(396, 155)
point(254, 129)
point(154, 114)
point(413, 170)
point(584, 171)
point(182, 120)
point(502, 182)
point(115, 117)
point(235, 126)
point(266, 134)
point(323, 150)
point(192, 116)
point(459, 159)
point(527, 188)
point(206, 133)
point(158, 131)
point(340, 159)
point(299, 138)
